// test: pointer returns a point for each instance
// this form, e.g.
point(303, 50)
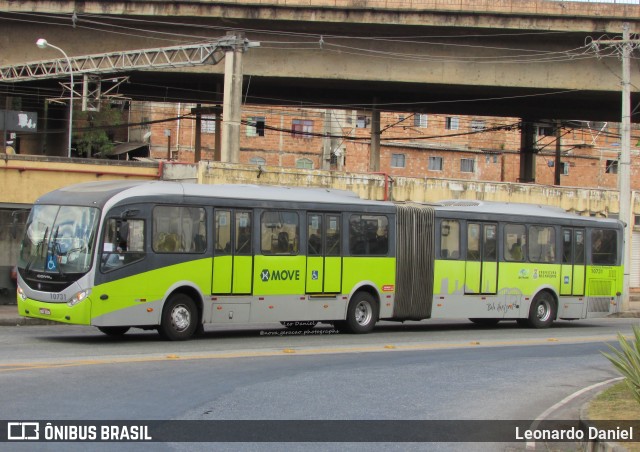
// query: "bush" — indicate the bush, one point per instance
point(627, 361)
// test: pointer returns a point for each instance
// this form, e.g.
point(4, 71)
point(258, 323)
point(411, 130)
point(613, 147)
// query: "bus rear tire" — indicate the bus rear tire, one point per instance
point(114, 331)
point(543, 311)
point(179, 318)
point(362, 314)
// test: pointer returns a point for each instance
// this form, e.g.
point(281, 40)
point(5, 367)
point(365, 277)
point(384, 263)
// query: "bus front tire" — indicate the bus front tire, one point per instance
point(362, 314)
point(179, 318)
point(543, 311)
point(114, 331)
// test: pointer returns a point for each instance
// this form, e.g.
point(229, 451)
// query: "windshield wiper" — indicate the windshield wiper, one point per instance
point(39, 247)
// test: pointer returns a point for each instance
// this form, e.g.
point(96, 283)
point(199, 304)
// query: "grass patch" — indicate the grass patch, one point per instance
point(616, 404)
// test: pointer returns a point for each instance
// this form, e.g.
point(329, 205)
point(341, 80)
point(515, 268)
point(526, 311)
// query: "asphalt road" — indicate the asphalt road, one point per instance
point(420, 371)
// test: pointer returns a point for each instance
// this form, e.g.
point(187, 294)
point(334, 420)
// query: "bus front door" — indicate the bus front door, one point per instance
point(481, 268)
point(324, 263)
point(572, 279)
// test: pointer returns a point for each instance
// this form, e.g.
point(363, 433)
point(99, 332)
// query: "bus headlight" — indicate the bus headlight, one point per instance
point(21, 293)
point(77, 298)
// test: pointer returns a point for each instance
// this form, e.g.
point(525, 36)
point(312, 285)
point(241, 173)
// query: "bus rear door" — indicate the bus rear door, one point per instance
point(573, 262)
point(324, 263)
point(481, 268)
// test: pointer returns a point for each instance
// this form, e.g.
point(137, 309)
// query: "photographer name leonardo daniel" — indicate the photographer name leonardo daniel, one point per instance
point(574, 433)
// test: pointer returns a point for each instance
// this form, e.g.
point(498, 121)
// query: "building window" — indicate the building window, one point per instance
point(612, 167)
point(467, 165)
point(420, 120)
point(257, 161)
point(565, 168)
point(208, 124)
point(304, 163)
point(362, 121)
point(397, 160)
point(435, 163)
point(255, 126)
point(478, 125)
point(452, 123)
point(301, 128)
point(546, 131)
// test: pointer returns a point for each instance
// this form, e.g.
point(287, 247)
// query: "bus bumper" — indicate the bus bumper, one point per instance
point(80, 314)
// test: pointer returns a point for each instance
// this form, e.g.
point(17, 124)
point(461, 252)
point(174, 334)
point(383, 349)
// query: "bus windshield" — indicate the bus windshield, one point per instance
point(59, 240)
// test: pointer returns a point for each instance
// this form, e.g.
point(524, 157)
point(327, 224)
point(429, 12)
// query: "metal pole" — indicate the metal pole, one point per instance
point(624, 168)
point(43, 44)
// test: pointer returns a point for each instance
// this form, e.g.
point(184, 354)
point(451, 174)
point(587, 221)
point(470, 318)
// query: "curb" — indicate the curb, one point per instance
point(25, 321)
point(596, 445)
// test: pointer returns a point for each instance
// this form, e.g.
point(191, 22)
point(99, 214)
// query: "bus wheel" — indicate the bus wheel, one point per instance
point(179, 318)
point(361, 314)
point(300, 326)
point(485, 322)
point(114, 331)
point(542, 311)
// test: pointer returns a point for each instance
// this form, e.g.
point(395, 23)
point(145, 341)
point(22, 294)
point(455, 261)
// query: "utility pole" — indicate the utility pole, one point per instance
point(557, 166)
point(625, 46)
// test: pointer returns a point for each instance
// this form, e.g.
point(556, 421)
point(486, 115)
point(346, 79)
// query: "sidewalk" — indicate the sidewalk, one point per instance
point(9, 317)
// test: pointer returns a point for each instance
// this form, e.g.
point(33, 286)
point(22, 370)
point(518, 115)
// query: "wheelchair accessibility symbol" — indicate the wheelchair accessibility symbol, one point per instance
point(51, 263)
point(314, 274)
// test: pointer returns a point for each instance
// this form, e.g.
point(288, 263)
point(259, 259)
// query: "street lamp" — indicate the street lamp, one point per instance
point(43, 44)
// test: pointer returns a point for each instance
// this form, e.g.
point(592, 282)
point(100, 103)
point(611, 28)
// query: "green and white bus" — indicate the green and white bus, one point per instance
point(173, 257)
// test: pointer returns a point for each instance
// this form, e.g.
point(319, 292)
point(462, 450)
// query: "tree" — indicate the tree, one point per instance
point(93, 137)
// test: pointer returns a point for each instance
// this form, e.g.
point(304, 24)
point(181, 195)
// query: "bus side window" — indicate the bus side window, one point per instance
point(123, 243)
point(450, 239)
point(243, 233)
point(178, 229)
point(368, 235)
point(333, 235)
point(542, 244)
point(222, 232)
point(604, 247)
point(514, 242)
point(279, 232)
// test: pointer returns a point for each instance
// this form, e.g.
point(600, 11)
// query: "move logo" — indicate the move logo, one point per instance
point(279, 275)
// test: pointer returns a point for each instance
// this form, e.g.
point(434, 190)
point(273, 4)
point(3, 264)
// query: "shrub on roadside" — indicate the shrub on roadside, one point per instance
point(627, 361)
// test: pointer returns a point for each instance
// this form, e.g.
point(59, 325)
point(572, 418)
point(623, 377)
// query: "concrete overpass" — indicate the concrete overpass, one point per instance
point(518, 58)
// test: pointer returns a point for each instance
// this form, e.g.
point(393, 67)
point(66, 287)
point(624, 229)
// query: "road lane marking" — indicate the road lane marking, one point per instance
point(378, 348)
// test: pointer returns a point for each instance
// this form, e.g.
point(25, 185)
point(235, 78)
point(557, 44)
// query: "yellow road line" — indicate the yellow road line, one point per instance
point(387, 348)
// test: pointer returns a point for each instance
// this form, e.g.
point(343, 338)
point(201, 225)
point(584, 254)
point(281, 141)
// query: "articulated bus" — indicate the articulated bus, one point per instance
point(174, 257)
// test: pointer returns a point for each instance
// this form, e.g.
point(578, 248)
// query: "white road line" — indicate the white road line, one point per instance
point(531, 445)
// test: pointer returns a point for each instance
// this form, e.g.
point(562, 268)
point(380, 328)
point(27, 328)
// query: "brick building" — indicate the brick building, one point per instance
point(413, 145)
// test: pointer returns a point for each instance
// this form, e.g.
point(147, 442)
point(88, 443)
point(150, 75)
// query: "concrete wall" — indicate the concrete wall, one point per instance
point(24, 178)
point(583, 201)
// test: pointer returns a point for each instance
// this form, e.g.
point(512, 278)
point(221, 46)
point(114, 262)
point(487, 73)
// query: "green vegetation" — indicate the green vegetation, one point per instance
point(627, 361)
point(95, 136)
point(616, 404)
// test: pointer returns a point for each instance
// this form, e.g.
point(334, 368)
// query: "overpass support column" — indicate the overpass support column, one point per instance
point(232, 102)
point(527, 152)
point(374, 156)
